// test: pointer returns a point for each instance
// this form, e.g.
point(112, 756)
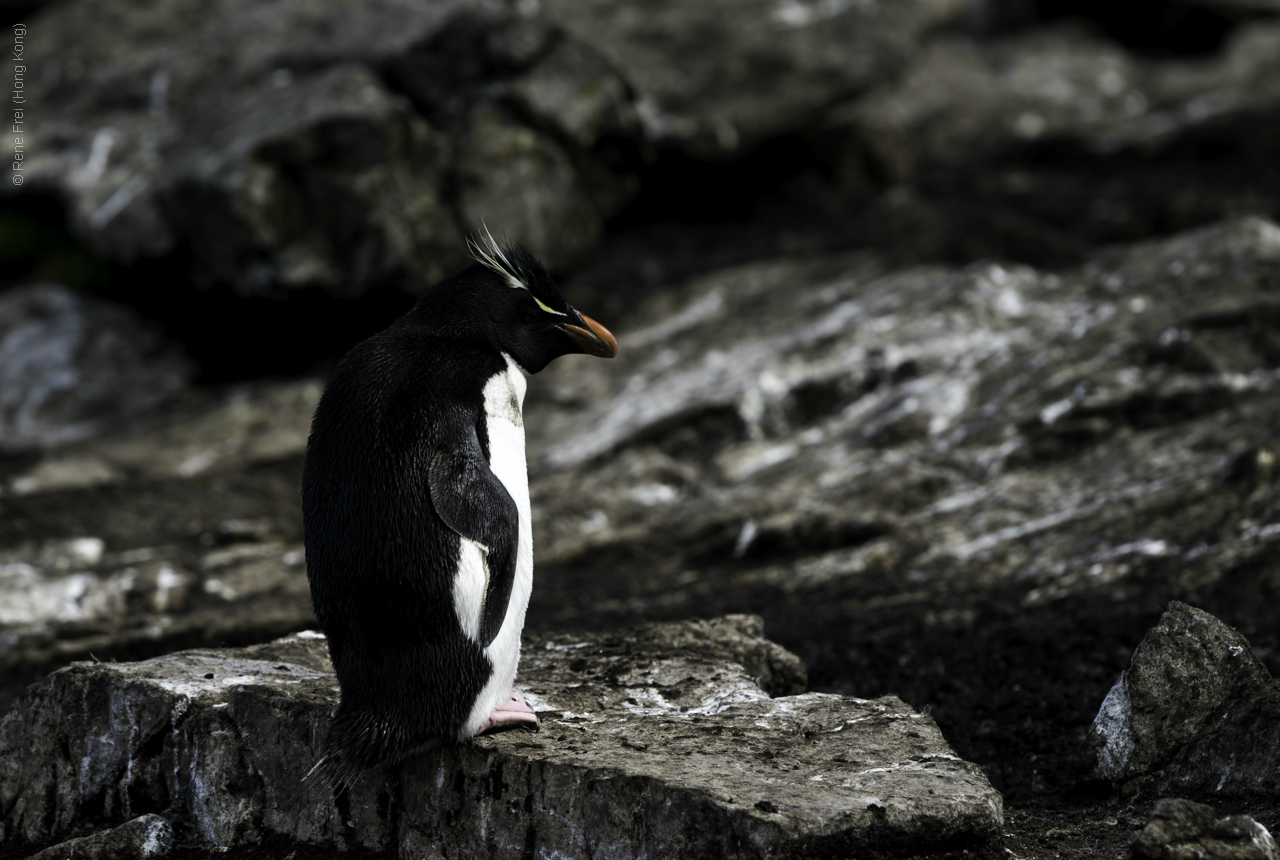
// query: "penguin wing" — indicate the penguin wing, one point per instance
point(472, 501)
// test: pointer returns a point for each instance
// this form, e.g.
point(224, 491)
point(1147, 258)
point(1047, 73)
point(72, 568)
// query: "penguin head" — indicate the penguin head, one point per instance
point(508, 299)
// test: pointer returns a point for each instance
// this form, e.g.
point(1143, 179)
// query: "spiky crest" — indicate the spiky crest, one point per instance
point(486, 251)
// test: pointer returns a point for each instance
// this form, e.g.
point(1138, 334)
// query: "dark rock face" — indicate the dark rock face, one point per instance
point(964, 103)
point(655, 743)
point(72, 367)
point(720, 77)
point(349, 148)
point(1195, 713)
point(1180, 828)
point(344, 146)
point(258, 135)
point(518, 177)
point(1041, 146)
point(263, 138)
point(144, 836)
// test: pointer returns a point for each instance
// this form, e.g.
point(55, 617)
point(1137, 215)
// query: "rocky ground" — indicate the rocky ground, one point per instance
point(948, 345)
point(661, 741)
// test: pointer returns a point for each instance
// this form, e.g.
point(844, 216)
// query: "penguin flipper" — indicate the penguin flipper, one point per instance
point(472, 501)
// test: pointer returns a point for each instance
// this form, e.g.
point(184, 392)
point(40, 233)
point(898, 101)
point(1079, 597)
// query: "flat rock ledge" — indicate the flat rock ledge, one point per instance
point(658, 741)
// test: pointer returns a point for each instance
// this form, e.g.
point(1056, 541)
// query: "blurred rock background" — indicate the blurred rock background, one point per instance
point(950, 329)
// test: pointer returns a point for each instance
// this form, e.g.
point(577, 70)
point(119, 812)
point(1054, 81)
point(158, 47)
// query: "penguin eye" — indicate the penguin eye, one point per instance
point(530, 319)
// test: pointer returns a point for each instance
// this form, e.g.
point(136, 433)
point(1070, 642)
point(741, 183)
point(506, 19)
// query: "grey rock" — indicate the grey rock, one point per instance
point(143, 104)
point(718, 78)
point(976, 121)
point(263, 138)
point(804, 427)
point(1195, 713)
point(654, 742)
point(1180, 828)
point(962, 101)
point(221, 432)
point(73, 366)
point(577, 92)
point(734, 638)
point(205, 546)
point(519, 181)
point(340, 146)
point(289, 162)
point(66, 600)
point(145, 836)
point(325, 180)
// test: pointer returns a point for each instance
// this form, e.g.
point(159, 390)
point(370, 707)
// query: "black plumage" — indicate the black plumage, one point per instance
point(397, 469)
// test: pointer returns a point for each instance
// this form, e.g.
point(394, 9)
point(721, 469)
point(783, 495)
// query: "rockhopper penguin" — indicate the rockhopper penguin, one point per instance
point(415, 500)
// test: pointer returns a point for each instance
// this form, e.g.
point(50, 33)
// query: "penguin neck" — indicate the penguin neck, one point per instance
point(458, 328)
point(504, 393)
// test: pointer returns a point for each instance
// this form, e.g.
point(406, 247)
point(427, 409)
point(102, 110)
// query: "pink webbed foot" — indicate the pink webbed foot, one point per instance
point(513, 713)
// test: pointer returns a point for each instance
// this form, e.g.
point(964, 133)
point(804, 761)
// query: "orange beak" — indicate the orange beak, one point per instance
point(595, 339)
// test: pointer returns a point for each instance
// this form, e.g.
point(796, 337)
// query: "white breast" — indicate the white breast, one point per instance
point(503, 402)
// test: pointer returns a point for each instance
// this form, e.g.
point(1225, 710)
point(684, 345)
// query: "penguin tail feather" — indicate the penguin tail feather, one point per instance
point(332, 774)
point(321, 785)
point(339, 768)
point(357, 742)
